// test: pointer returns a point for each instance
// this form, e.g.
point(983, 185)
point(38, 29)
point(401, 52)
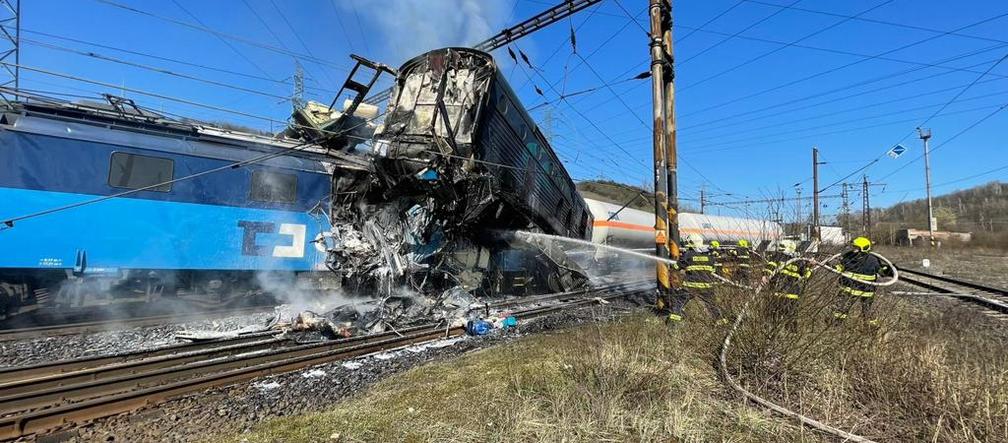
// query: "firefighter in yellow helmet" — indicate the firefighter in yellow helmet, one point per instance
point(741, 261)
point(859, 266)
point(716, 251)
point(698, 266)
point(787, 282)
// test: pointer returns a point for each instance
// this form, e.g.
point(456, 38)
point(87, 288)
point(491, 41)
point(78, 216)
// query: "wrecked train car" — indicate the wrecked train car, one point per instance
point(459, 166)
point(190, 242)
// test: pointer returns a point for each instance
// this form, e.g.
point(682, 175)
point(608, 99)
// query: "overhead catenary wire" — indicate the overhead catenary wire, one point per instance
point(844, 66)
point(950, 139)
point(876, 21)
point(738, 118)
point(151, 68)
point(222, 39)
point(708, 78)
point(168, 59)
point(303, 57)
point(926, 120)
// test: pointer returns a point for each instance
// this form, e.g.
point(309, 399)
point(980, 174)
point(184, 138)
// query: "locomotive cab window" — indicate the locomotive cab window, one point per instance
point(273, 187)
point(134, 171)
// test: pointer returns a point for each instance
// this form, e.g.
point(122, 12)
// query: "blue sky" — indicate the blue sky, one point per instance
point(758, 84)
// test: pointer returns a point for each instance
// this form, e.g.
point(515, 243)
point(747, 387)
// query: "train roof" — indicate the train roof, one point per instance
point(32, 117)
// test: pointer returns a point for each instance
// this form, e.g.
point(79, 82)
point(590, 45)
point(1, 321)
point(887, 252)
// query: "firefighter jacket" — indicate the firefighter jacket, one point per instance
point(790, 278)
point(699, 268)
point(861, 267)
point(740, 257)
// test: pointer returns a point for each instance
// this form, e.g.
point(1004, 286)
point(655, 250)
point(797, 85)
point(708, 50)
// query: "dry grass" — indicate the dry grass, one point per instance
point(628, 380)
point(935, 371)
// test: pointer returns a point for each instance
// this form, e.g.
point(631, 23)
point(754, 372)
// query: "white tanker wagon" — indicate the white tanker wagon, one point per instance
point(634, 229)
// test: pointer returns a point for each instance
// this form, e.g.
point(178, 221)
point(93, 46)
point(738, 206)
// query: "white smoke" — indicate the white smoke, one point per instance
point(407, 28)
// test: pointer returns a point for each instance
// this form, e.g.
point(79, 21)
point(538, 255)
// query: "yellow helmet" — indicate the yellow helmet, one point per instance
point(862, 244)
point(714, 244)
point(743, 243)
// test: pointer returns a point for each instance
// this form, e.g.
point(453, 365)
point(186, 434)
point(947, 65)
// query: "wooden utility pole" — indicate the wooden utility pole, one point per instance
point(663, 111)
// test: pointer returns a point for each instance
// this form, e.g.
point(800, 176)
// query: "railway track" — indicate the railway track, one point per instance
point(994, 301)
point(85, 327)
point(48, 396)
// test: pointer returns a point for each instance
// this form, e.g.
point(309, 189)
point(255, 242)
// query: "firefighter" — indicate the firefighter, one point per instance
point(698, 267)
point(860, 266)
point(787, 281)
point(741, 261)
point(717, 253)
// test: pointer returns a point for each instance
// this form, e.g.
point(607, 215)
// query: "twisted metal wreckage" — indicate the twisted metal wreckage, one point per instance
point(457, 167)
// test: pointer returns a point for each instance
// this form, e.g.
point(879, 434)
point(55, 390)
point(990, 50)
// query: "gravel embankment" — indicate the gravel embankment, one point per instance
point(236, 408)
point(32, 351)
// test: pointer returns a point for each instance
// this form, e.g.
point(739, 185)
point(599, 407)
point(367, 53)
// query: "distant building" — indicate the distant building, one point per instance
point(911, 237)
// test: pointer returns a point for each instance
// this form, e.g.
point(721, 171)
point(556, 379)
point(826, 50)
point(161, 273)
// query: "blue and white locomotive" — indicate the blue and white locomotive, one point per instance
point(185, 237)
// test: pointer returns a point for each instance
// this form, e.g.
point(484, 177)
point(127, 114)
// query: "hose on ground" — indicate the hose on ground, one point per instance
point(807, 421)
point(822, 264)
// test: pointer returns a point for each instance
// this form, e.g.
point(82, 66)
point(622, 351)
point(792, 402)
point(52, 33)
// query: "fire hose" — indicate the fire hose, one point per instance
point(723, 357)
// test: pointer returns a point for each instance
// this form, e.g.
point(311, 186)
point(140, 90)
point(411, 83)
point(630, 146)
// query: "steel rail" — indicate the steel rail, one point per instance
point(973, 285)
point(113, 324)
point(987, 302)
point(134, 391)
point(48, 369)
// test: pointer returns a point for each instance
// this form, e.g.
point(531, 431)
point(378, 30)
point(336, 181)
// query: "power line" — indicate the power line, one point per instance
point(226, 43)
point(845, 88)
point(781, 48)
point(303, 57)
point(950, 101)
point(876, 21)
point(831, 124)
point(298, 37)
point(151, 68)
point(949, 140)
point(831, 70)
point(170, 60)
point(722, 41)
point(794, 44)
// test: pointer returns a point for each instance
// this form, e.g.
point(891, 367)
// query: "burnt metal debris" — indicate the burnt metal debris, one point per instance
point(456, 169)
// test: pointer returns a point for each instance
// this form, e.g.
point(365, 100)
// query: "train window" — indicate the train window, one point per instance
point(133, 171)
point(275, 187)
point(502, 104)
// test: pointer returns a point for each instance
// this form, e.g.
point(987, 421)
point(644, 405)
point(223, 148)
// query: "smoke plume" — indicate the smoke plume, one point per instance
point(406, 28)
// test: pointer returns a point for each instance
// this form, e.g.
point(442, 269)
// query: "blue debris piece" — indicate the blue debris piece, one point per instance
point(510, 322)
point(478, 327)
point(428, 174)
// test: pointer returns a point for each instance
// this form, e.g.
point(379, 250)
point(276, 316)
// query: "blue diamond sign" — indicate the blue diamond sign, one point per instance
point(897, 151)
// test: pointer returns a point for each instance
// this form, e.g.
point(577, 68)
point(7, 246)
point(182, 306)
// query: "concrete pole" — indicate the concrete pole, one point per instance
point(815, 194)
point(925, 134)
point(703, 200)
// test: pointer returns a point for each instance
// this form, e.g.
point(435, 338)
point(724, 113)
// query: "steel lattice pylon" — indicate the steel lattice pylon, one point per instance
point(10, 54)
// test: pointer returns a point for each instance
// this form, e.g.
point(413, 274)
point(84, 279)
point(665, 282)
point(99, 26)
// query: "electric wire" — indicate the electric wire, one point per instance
point(151, 68)
point(235, 38)
point(876, 21)
point(950, 101)
point(226, 43)
point(726, 39)
point(166, 59)
point(847, 87)
point(835, 69)
point(708, 78)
